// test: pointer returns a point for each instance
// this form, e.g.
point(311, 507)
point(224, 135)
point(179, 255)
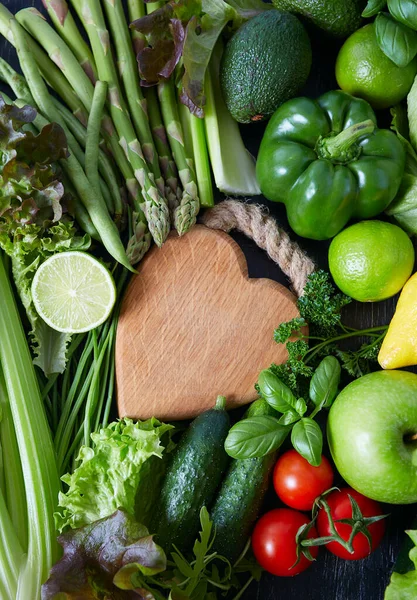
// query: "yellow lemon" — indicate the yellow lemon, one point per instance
point(399, 348)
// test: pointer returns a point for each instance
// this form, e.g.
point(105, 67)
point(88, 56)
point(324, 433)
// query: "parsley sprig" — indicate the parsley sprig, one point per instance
point(321, 311)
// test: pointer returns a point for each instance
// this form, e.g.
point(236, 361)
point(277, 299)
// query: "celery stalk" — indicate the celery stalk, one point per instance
point(233, 166)
point(35, 446)
point(14, 489)
point(11, 555)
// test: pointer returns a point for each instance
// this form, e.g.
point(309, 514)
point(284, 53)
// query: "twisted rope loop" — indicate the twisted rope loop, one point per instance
point(254, 221)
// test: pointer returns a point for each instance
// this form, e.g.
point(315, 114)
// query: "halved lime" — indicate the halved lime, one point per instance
point(73, 292)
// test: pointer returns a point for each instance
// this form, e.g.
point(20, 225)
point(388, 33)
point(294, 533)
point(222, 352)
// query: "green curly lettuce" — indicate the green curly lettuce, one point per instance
point(111, 474)
point(403, 586)
point(33, 223)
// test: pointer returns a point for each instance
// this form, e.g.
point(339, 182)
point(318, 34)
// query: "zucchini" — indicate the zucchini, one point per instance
point(239, 501)
point(196, 470)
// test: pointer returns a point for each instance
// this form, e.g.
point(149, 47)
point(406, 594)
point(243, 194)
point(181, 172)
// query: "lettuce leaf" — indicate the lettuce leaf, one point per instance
point(109, 474)
point(29, 246)
point(404, 586)
point(33, 225)
point(100, 559)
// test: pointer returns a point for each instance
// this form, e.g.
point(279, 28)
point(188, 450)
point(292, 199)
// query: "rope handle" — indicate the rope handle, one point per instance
point(255, 222)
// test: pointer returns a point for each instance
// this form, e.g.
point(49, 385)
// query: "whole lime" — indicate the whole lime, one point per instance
point(371, 260)
point(363, 70)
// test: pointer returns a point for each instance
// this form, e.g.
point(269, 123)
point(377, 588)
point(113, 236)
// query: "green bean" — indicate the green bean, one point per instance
point(93, 134)
point(105, 165)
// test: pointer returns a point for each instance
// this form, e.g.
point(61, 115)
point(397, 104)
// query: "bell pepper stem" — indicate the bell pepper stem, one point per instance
point(339, 147)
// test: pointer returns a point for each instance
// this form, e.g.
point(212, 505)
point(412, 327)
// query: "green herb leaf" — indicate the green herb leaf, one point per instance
point(288, 329)
point(288, 418)
point(275, 392)
point(325, 382)
point(404, 11)
point(321, 303)
point(373, 7)
point(255, 436)
point(307, 439)
point(300, 406)
point(100, 559)
point(397, 41)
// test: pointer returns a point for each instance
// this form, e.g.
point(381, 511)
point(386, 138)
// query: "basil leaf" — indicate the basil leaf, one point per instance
point(288, 418)
point(300, 406)
point(307, 439)
point(404, 11)
point(276, 393)
point(373, 7)
point(255, 436)
point(325, 382)
point(396, 40)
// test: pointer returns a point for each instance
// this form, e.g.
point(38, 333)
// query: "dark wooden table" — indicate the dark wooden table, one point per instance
point(329, 578)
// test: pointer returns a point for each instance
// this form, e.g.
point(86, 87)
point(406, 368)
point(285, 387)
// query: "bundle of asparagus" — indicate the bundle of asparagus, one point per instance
point(120, 135)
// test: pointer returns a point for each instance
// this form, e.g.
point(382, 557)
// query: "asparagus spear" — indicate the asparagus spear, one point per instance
point(98, 213)
point(129, 74)
point(154, 205)
point(58, 51)
point(186, 213)
point(173, 192)
point(69, 32)
point(136, 10)
point(49, 70)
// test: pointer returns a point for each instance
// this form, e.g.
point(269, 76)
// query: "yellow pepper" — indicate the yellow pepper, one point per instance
point(399, 348)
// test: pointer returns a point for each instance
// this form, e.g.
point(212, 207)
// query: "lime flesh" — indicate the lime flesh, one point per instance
point(73, 292)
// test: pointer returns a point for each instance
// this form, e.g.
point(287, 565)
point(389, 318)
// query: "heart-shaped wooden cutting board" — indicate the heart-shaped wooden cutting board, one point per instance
point(193, 326)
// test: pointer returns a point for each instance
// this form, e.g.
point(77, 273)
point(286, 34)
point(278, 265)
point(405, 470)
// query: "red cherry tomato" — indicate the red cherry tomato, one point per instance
point(274, 543)
point(298, 483)
point(341, 508)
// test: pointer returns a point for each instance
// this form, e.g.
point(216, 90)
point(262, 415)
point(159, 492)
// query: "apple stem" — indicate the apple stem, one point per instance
point(411, 437)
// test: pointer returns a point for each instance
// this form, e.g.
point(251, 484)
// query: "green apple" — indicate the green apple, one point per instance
point(372, 433)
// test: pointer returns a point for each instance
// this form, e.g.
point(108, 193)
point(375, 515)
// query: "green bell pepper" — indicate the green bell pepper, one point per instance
point(327, 161)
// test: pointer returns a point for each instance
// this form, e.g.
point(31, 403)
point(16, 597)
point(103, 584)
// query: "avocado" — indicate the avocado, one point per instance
point(339, 18)
point(264, 64)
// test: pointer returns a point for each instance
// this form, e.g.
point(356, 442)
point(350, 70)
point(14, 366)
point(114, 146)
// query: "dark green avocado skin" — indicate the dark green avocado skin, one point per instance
point(264, 64)
point(338, 18)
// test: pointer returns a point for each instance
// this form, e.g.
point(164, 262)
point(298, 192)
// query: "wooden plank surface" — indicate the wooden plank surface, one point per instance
point(330, 578)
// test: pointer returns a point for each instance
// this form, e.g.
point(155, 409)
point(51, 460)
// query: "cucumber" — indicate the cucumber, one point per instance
point(198, 464)
point(239, 501)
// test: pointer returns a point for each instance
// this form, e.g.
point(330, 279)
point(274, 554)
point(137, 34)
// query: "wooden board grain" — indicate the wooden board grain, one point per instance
point(193, 325)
